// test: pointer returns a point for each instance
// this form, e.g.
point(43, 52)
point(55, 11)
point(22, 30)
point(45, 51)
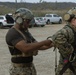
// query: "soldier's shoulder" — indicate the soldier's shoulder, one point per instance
point(66, 29)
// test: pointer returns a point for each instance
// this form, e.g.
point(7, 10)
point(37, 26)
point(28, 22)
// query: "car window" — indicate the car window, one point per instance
point(56, 15)
point(41, 18)
point(37, 18)
point(48, 15)
point(1, 18)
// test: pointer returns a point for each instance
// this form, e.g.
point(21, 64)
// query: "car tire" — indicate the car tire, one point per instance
point(1, 25)
point(48, 22)
point(60, 21)
point(10, 26)
point(42, 25)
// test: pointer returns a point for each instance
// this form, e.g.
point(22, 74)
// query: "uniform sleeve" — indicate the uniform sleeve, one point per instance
point(62, 40)
point(16, 39)
point(13, 37)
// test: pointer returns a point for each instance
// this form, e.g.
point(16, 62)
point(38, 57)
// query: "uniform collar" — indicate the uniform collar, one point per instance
point(72, 27)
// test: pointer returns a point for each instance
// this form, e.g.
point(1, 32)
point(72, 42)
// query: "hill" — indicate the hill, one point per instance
point(39, 9)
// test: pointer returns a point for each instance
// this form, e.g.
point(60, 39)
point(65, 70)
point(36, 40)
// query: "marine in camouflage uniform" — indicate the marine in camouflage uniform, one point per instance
point(63, 40)
point(22, 45)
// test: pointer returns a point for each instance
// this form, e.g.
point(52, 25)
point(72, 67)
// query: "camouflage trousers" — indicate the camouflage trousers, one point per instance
point(67, 72)
point(22, 70)
point(60, 66)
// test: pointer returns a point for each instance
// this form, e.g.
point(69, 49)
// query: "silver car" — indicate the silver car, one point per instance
point(37, 21)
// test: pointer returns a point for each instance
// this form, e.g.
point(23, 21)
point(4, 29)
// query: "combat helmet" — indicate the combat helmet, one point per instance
point(70, 14)
point(23, 13)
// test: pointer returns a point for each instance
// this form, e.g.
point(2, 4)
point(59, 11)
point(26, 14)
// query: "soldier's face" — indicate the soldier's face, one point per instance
point(26, 23)
point(73, 22)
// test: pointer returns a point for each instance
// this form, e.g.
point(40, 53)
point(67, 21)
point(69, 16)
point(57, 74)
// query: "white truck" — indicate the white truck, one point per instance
point(53, 18)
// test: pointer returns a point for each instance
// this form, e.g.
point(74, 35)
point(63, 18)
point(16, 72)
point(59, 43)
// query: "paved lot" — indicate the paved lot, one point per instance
point(44, 61)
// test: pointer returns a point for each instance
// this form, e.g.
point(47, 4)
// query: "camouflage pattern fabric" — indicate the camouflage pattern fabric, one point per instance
point(60, 66)
point(67, 72)
point(22, 70)
point(63, 40)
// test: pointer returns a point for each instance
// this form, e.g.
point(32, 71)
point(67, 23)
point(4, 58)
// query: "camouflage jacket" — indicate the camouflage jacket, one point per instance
point(63, 40)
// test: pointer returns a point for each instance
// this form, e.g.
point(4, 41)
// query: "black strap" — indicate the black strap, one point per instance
point(72, 69)
point(22, 59)
point(66, 66)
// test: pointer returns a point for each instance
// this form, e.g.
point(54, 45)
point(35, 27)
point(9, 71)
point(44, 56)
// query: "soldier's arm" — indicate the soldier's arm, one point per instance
point(27, 47)
point(47, 47)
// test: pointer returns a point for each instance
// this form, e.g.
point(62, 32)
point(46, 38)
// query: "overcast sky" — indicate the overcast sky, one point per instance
point(35, 1)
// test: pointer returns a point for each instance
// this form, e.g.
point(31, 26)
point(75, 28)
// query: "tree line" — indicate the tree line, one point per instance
point(39, 9)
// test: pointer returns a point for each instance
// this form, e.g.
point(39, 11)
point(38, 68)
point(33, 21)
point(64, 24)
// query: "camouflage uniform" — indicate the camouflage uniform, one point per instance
point(63, 40)
point(23, 70)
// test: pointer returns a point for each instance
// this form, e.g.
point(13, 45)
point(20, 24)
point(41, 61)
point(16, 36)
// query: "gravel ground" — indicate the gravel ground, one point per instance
point(44, 61)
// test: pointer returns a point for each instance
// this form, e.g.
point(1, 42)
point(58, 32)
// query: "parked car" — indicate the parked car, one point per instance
point(32, 23)
point(53, 18)
point(37, 21)
point(6, 21)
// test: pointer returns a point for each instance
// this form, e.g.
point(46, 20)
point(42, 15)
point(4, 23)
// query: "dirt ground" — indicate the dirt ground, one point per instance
point(44, 61)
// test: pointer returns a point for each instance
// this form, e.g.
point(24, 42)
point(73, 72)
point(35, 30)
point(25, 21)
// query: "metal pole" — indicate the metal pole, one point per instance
point(56, 5)
point(16, 1)
point(40, 1)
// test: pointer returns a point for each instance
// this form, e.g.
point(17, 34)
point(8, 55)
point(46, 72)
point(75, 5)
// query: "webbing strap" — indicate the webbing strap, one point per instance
point(66, 66)
point(20, 32)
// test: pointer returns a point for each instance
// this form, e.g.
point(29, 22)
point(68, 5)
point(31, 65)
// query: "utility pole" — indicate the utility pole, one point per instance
point(16, 1)
point(21, 1)
point(56, 5)
point(40, 1)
